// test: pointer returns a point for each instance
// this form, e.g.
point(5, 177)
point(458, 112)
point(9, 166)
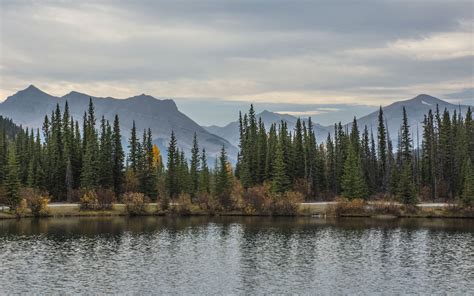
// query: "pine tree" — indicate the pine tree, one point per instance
point(406, 191)
point(298, 152)
point(133, 148)
point(195, 166)
point(12, 180)
point(223, 181)
point(428, 165)
point(468, 186)
point(172, 166)
point(204, 176)
point(271, 147)
point(118, 156)
point(105, 160)
point(331, 165)
point(382, 153)
point(280, 180)
point(353, 183)
point(262, 150)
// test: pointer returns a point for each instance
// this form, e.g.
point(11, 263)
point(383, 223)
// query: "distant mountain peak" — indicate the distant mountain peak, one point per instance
point(31, 89)
point(425, 97)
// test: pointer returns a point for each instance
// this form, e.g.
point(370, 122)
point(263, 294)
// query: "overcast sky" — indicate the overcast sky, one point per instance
point(280, 52)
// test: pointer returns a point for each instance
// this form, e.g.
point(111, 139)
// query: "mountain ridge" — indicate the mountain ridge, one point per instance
point(416, 107)
point(29, 106)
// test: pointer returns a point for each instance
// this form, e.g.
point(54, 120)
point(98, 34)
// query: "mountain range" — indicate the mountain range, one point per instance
point(416, 108)
point(29, 106)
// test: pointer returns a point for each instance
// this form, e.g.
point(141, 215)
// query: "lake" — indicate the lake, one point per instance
point(236, 255)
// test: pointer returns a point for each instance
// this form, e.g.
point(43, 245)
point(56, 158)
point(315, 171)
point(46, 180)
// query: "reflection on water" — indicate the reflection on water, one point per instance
point(232, 255)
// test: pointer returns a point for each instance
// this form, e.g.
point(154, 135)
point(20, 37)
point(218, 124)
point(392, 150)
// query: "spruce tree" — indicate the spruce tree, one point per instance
point(204, 176)
point(172, 166)
point(223, 181)
point(353, 183)
point(195, 166)
point(382, 152)
point(12, 179)
point(133, 149)
point(298, 152)
point(118, 158)
point(467, 196)
point(280, 180)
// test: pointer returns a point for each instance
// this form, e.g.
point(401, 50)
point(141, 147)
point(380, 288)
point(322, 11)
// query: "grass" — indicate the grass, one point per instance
point(342, 209)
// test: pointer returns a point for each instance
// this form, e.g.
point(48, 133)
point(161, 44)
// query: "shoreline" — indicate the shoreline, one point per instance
point(316, 209)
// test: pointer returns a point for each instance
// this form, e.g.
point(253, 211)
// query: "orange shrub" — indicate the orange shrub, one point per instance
point(135, 203)
point(89, 201)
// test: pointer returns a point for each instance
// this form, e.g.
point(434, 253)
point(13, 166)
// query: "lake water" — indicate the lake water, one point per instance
point(232, 255)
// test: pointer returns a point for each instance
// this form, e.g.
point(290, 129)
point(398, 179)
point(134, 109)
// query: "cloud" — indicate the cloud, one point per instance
point(280, 51)
point(309, 113)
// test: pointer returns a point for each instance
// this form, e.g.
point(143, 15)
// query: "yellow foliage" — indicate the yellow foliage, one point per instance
point(156, 156)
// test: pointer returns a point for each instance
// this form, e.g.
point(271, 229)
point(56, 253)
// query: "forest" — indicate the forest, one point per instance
point(66, 162)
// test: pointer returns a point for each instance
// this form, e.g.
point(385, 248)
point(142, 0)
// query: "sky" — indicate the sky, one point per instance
point(302, 57)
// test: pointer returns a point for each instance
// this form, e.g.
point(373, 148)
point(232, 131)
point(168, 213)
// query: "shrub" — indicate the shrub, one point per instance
point(237, 195)
point(164, 202)
point(89, 201)
point(258, 199)
point(131, 182)
point(21, 208)
point(37, 202)
point(354, 207)
point(387, 208)
point(287, 203)
point(184, 205)
point(135, 203)
point(208, 203)
point(105, 198)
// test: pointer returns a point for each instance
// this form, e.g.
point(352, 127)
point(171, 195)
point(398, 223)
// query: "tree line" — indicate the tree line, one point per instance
point(67, 160)
point(355, 163)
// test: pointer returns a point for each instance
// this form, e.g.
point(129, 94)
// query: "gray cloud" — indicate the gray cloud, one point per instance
point(305, 52)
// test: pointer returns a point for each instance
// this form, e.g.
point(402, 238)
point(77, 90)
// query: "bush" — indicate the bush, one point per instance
point(237, 196)
point(184, 205)
point(287, 204)
point(105, 198)
point(37, 202)
point(351, 207)
point(164, 202)
point(208, 203)
point(89, 201)
point(21, 208)
point(386, 208)
point(135, 203)
point(258, 199)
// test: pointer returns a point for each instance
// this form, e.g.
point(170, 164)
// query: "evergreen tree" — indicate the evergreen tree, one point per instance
point(281, 181)
point(204, 176)
point(195, 166)
point(261, 152)
point(133, 149)
point(105, 161)
point(223, 181)
point(118, 156)
point(353, 183)
point(468, 187)
point(382, 153)
point(172, 166)
point(406, 191)
point(298, 152)
point(12, 180)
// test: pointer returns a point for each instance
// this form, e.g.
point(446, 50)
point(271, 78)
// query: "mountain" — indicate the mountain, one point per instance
point(416, 109)
point(29, 106)
point(230, 132)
